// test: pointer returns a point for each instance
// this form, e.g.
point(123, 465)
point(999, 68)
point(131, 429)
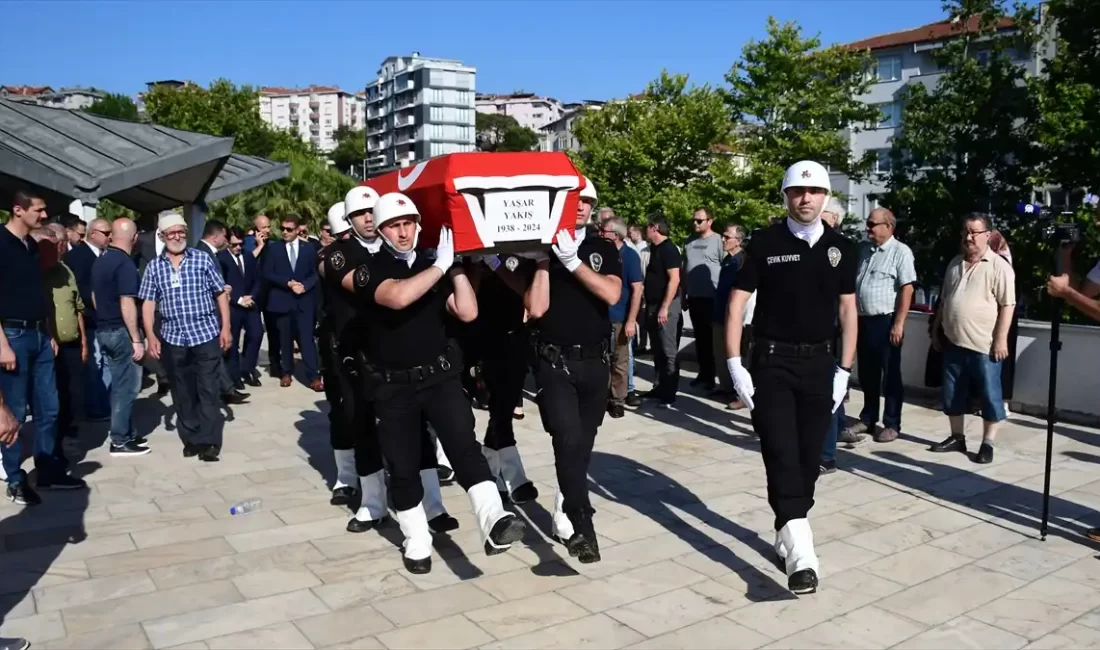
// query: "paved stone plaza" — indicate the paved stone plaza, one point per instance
point(917, 550)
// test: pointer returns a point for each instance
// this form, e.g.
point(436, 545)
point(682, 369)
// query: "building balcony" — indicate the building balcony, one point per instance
point(313, 103)
point(404, 120)
point(315, 116)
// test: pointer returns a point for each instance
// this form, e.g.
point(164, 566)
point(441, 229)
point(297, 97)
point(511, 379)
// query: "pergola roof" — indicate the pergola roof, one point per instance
point(147, 168)
point(242, 173)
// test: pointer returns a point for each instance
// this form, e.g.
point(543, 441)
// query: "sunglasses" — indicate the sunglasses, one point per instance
point(290, 229)
point(105, 233)
point(701, 220)
point(234, 244)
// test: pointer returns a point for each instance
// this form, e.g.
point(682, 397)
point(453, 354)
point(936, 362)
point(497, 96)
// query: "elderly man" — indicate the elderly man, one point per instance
point(187, 288)
point(624, 315)
point(732, 239)
point(884, 292)
point(978, 299)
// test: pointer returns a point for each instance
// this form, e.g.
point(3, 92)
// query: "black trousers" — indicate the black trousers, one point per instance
point(402, 411)
point(191, 369)
point(701, 311)
point(274, 343)
point(572, 401)
point(793, 409)
point(504, 367)
point(69, 371)
point(339, 392)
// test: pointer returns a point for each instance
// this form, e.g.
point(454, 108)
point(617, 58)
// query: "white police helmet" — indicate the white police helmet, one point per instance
point(337, 222)
point(806, 173)
point(359, 198)
point(588, 192)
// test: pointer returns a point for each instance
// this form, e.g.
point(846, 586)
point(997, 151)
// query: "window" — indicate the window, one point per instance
point(891, 115)
point(454, 97)
point(883, 162)
point(887, 68)
point(449, 132)
point(451, 114)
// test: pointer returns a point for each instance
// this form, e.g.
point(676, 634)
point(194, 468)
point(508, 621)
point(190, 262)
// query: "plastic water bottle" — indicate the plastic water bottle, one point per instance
point(245, 507)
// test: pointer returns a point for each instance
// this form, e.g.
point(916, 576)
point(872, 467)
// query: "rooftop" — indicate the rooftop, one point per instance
point(932, 32)
point(308, 90)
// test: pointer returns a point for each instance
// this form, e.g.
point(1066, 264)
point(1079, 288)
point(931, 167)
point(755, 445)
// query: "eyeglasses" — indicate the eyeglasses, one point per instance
point(971, 233)
point(872, 224)
point(175, 234)
point(105, 233)
point(234, 244)
point(729, 237)
point(700, 220)
point(290, 228)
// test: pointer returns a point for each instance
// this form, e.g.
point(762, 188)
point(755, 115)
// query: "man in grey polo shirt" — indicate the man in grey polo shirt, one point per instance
point(702, 264)
point(884, 292)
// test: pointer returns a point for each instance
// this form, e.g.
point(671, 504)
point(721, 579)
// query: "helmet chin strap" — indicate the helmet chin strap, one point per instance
point(791, 212)
point(408, 256)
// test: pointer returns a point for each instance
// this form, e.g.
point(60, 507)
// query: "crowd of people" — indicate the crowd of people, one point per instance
point(404, 340)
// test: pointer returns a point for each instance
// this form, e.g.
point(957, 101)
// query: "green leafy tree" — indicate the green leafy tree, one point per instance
point(115, 105)
point(351, 149)
point(794, 101)
point(503, 133)
point(968, 144)
point(666, 150)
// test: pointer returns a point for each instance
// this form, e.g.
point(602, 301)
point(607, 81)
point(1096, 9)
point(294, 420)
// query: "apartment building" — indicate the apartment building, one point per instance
point(529, 110)
point(314, 113)
point(74, 98)
point(418, 108)
point(558, 135)
point(901, 58)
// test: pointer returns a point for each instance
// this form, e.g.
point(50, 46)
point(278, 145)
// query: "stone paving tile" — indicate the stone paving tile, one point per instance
point(917, 550)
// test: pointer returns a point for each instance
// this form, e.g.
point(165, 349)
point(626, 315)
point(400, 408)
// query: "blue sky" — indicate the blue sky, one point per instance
point(570, 50)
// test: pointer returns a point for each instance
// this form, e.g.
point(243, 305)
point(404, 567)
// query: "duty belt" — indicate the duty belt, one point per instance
point(441, 365)
point(555, 354)
point(794, 349)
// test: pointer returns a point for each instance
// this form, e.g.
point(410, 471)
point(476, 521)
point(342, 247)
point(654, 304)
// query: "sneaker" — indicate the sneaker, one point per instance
point(633, 399)
point(63, 482)
point(21, 494)
point(850, 438)
point(828, 467)
point(129, 449)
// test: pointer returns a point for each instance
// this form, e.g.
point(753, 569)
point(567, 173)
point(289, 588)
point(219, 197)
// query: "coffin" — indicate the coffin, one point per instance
point(494, 202)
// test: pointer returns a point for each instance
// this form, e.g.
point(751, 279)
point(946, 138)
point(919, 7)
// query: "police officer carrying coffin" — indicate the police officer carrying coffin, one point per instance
point(415, 372)
point(355, 426)
point(804, 274)
point(503, 343)
point(568, 302)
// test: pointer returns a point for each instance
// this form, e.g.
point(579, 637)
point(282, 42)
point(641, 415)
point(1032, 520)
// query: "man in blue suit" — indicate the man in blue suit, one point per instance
point(290, 268)
point(241, 272)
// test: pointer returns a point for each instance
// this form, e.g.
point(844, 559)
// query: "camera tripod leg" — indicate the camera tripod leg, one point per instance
point(1055, 348)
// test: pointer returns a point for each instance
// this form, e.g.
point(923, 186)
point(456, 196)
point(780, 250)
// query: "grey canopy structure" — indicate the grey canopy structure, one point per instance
point(69, 154)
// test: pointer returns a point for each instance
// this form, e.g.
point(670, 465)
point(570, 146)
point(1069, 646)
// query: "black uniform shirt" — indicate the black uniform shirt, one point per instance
point(576, 316)
point(798, 286)
point(413, 336)
point(499, 308)
point(343, 310)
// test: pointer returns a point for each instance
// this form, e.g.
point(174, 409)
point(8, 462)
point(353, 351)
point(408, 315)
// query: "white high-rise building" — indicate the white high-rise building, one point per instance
point(314, 113)
point(529, 110)
point(418, 108)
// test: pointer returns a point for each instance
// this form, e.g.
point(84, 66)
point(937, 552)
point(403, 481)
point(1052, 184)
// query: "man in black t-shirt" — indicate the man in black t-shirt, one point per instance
point(568, 302)
point(414, 368)
point(662, 309)
point(804, 276)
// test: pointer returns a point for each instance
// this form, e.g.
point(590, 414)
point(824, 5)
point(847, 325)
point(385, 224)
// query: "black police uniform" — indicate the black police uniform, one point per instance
point(414, 370)
point(798, 289)
point(571, 348)
point(503, 345)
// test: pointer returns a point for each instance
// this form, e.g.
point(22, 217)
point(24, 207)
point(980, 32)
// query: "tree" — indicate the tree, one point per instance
point(351, 149)
point(794, 101)
point(666, 150)
point(115, 105)
point(503, 133)
point(222, 110)
point(969, 143)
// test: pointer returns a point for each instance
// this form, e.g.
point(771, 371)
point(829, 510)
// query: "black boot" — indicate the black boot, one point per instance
point(583, 545)
point(343, 496)
point(504, 533)
point(802, 582)
point(418, 567)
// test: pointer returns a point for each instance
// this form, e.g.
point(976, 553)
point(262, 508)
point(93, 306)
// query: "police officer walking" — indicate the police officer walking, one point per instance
point(415, 372)
point(502, 340)
point(354, 426)
point(804, 274)
point(568, 302)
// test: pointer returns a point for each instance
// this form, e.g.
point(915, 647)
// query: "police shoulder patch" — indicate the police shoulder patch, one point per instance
point(834, 256)
point(595, 260)
point(338, 260)
point(362, 276)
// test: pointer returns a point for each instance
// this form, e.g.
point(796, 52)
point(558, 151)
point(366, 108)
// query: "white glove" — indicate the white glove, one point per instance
point(445, 250)
point(566, 250)
point(742, 381)
point(840, 387)
point(492, 261)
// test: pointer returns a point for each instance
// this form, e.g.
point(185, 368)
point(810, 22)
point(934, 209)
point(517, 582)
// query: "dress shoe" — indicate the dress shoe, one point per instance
point(163, 388)
point(362, 526)
point(984, 455)
point(252, 379)
point(633, 400)
point(343, 496)
point(238, 385)
point(953, 443)
point(616, 410)
point(190, 450)
point(285, 381)
point(444, 523)
point(802, 582)
point(317, 385)
point(209, 454)
point(418, 567)
point(235, 397)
